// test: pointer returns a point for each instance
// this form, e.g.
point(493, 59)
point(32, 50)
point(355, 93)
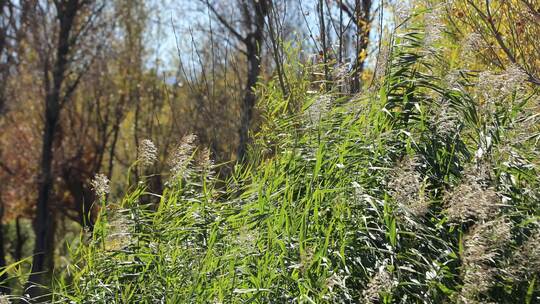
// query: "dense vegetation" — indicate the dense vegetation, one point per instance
point(422, 190)
point(422, 187)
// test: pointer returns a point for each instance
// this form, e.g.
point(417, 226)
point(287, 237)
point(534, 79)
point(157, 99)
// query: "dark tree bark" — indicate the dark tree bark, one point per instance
point(253, 44)
point(66, 14)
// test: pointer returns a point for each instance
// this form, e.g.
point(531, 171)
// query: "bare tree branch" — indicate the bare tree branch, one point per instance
point(224, 22)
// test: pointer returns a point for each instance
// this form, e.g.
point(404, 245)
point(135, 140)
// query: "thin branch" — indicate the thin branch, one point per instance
point(224, 22)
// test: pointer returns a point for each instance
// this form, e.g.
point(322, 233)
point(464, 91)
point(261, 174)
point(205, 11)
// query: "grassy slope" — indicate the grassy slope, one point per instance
point(376, 201)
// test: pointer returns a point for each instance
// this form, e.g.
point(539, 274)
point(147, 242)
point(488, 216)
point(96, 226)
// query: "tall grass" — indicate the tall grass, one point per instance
point(421, 191)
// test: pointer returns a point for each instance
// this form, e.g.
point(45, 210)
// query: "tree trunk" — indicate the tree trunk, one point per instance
point(254, 13)
point(43, 222)
point(253, 42)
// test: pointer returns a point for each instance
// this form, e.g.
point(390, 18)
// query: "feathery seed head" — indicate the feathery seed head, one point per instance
point(406, 186)
point(434, 26)
point(341, 76)
point(482, 246)
point(147, 152)
point(206, 163)
point(383, 57)
point(526, 259)
point(495, 87)
point(452, 80)
point(446, 121)
point(100, 185)
point(469, 201)
point(181, 157)
point(473, 43)
point(402, 10)
point(515, 78)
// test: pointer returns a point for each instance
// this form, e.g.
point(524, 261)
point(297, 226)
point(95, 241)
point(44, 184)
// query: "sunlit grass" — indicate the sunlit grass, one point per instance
point(319, 215)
